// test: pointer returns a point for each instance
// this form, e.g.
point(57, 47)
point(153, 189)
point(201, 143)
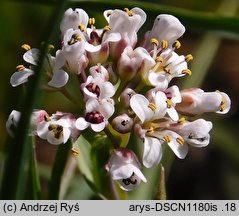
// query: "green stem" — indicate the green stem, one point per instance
point(58, 170)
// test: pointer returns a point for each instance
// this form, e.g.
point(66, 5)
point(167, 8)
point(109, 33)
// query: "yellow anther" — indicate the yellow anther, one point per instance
point(47, 117)
point(187, 72)
point(188, 58)
point(82, 27)
point(107, 28)
point(20, 67)
point(75, 152)
point(222, 106)
point(26, 47)
point(167, 138)
point(176, 44)
point(150, 130)
point(152, 106)
point(109, 13)
point(180, 140)
point(164, 44)
point(50, 47)
point(167, 70)
point(154, 41)
point(169, 103)
point(159, 59)
point(181, 120)
point(129, 12)
point(92, 21)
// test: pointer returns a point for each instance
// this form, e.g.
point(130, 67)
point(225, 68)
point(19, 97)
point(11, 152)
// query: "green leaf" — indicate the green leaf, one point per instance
point(58, 170)
point(84, 159)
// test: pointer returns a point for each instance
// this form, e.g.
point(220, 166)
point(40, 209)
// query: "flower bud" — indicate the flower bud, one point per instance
point(123, 123)
point(125, 96)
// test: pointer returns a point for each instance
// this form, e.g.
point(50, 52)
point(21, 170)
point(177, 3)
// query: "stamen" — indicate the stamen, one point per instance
point(131, 180)
point(109, 13)
point(167, 70)
point(164, 44)
point(187, 72)
point(92, 21)
point(75, 152)
point(47, 117)
point(74, 38)
point(167, 138)
point(20, 67)
point(176, 44)
point(181, 120)
point(26, 47)
point(159, 59)
point(180, 140)
point(188, 58)
point(152, 106)
point(150, 130)
point(106, 28)
point(50, 47)
point(169, 103)
point(129, 12)
point(154, 41)
point(222, 106)
point(82, 27)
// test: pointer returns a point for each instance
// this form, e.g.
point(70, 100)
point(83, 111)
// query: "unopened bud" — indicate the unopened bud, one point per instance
point(123, 123)
point(126, 95)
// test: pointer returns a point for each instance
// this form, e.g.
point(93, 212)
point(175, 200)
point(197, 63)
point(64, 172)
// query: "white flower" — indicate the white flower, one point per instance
point(196, 101)
point(56, 131)
point(99, 70)
point(31, 56)
point(14, 117)
point(124, 168)
point(74, 50)
point(147, 110)
point(96, 87)
point(133, 61)
point(75, 19)
point(166, 27)
point(60, 77)
point(195, 133)
point(96, 115)
point(173, 97)
point(169, 65)
point(125, 24)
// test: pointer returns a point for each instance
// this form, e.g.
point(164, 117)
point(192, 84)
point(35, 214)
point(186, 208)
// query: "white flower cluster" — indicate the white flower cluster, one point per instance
point(125, 83)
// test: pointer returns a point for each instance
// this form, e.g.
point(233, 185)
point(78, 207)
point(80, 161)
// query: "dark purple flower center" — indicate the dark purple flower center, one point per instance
point(95, 39)
point(94, 117)
point(95, 89)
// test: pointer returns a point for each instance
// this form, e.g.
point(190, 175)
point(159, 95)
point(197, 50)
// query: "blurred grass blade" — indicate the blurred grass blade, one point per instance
point(226, 139)
point(34, 180)
point(58, 170)
point(19, 153)
point(162, 195)
point(207, 49)
point(191, 18)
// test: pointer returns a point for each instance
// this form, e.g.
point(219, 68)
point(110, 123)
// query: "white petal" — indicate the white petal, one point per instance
point(20, 77)
point(139, 105)
point(92, 105)
point(59, 79)
point(107, 90)
point(42, 129)
point(106, 109)
point(152, 152)
point(59, 60)
point(173, 113)
point(32, 56)
point(158, 80)
point(98, 127)
point(227, 102)
point(122, 172)
point(112, 37)
point(91, 48)
point(81, 124)
point(12, 121)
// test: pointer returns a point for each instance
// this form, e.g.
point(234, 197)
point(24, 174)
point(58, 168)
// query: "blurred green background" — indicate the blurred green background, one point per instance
point(207, 173)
